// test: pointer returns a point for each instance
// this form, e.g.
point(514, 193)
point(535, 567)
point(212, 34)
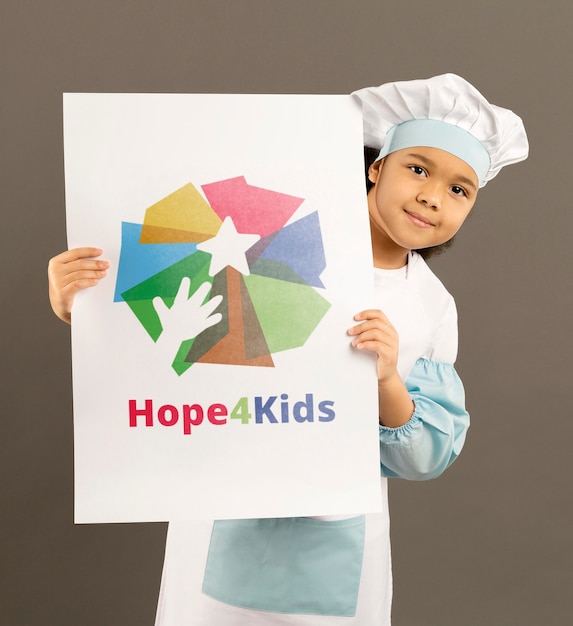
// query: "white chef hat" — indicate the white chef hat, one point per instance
point(443, 112)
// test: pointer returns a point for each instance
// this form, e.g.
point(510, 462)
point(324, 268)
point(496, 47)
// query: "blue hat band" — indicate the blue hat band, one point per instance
point(441, 135)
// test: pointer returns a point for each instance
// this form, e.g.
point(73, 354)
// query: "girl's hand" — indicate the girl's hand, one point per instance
point(376, 333)
point(70, 272)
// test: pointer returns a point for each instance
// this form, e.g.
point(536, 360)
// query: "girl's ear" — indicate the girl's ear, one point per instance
point(374, 171)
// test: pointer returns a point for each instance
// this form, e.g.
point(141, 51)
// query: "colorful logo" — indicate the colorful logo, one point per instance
point(231, 279)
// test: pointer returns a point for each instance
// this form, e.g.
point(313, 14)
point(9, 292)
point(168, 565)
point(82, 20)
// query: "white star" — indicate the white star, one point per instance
point(228, 247)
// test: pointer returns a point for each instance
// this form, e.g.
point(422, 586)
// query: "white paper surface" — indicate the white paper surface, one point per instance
point(292, 432)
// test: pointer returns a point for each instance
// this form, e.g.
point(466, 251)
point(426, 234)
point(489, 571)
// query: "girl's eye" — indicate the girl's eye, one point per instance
point(459, 191)
point(420, 171)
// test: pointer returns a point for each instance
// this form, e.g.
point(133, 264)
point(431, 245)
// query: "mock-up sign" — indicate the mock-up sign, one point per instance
point(213, 376)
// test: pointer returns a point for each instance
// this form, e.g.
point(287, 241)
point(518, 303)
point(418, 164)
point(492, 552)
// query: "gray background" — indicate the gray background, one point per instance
point(489, 543)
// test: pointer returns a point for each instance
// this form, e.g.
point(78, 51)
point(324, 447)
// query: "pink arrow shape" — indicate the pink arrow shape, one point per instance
point(252, 209)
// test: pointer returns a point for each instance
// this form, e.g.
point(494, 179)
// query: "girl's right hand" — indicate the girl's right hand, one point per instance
point(70, 272)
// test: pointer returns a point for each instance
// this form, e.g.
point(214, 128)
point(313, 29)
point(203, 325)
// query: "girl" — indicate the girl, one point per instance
point(437, 142)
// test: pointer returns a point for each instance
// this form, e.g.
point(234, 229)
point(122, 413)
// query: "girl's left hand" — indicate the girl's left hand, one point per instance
point(376, 333)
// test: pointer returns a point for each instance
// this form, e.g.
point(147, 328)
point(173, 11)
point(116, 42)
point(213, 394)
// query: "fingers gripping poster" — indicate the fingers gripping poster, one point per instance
point(212, 373)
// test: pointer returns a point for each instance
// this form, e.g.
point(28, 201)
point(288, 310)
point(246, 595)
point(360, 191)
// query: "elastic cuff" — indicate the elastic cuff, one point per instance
point(408, 427)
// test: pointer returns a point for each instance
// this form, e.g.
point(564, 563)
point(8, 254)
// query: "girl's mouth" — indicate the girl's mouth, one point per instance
point(419, 220)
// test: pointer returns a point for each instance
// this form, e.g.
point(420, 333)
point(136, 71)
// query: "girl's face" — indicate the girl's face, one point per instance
point(420, 198)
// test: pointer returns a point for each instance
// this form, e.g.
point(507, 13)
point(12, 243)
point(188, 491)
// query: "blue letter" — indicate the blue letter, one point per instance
point(328, 414)
point(304, 411)
point(264, 409)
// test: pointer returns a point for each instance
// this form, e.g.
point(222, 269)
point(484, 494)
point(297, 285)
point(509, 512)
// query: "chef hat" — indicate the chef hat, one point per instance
point(443, 112)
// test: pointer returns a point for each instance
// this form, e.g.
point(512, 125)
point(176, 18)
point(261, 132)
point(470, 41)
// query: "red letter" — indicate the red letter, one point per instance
point(215, 411)
point(188, 421)
point(165, 421)
point(134, 412)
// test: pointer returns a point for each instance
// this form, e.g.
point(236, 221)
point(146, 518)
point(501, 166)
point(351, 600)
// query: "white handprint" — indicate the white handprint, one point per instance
point(188, 316)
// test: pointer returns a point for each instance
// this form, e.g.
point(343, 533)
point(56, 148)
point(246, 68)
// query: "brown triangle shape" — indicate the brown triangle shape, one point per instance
point(231, 349)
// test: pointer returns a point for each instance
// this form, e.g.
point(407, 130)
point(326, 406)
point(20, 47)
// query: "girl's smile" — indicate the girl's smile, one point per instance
point(419, 220)
point(420, 198)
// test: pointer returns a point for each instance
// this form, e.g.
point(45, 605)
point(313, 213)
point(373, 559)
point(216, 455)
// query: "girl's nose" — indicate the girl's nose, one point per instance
point(430, 196)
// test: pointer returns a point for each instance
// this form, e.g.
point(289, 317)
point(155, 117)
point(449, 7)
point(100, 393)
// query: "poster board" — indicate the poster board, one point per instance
point(212, 373)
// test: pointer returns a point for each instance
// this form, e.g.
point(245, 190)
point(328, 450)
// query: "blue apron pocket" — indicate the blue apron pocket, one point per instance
point(295, 565)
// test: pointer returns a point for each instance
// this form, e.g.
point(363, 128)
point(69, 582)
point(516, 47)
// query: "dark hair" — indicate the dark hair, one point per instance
point(370, 155)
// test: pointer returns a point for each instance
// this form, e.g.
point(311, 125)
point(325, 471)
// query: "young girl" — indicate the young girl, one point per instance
point(437, 142)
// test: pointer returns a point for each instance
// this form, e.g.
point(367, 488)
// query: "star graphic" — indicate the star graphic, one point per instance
point(228, 248)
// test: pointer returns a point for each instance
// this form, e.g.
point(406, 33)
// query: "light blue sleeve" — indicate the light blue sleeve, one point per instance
point(434, 436)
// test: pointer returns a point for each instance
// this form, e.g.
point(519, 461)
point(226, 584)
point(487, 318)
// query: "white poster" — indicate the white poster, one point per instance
point(213, 376)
